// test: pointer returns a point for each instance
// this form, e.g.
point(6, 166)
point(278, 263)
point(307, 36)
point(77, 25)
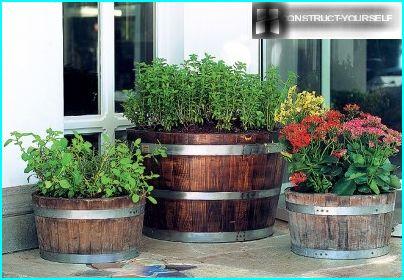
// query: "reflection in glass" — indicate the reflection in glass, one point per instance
point(93, 138)
point(133, 43)
point(368, 73)
point(121, 135)
point(80, 45)
point(302, 57)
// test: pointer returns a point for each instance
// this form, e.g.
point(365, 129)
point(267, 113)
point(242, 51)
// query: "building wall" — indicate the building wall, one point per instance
point(32, 77)
point(223, 30)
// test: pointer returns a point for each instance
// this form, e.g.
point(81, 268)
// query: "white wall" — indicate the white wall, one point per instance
point(32, 91)
point(220, 29)
point(170, 31)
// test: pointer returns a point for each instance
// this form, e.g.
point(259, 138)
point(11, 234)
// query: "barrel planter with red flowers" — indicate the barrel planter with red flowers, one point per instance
point(223, 173)
point(343, 184)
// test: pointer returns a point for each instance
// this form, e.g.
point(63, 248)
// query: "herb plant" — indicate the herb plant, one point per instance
point(78, 171)
point(204, 94)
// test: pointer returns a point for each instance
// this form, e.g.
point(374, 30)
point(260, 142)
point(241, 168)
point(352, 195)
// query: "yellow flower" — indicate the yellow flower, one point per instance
point(299, 105)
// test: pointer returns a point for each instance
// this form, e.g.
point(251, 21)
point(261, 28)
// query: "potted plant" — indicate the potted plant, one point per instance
point(221, 179)
point(343, 194)
point(89, 205)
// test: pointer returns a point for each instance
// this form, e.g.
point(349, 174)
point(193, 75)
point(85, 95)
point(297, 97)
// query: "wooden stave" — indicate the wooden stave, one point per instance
point(353, 234)
point(95, 240)
point(202, 139)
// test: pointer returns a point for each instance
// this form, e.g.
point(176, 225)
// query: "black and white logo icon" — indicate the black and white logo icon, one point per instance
point(267, 20)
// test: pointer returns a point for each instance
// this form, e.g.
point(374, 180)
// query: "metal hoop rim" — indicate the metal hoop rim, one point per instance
point(339, 210)
point(215, 150)
point(254, 194)
point(97, 214)
point(89, 258)
point(340, 254)
point(208, 237)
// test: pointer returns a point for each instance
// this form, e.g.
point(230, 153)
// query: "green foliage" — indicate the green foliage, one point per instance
point(204, 93)
point(78, 171)
point(369, 171)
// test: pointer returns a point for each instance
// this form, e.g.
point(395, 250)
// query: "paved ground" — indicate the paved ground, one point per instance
point(268, 257)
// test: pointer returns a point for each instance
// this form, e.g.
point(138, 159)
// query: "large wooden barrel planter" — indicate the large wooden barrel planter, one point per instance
point(213, 187)
point(340, 227)
point(88, 230)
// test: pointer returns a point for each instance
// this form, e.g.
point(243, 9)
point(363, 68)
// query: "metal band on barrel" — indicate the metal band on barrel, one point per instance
point(340, 210)
point(340, 255)
point(215, 195)
point(96, 258)
point(89, 214)
point(208, 237)
point(215, 150)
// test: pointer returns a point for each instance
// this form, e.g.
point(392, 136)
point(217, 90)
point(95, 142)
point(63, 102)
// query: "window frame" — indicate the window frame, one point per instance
point(107, 121)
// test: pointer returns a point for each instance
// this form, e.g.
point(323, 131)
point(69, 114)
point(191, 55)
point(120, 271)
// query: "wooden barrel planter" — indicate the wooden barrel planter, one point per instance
point(88, 230)
point(213, 187)
point(340, 227)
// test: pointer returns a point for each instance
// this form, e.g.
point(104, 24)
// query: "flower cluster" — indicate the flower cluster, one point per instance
point(345, 153)
point(367, 125)
point(313, 127)
point(299, 105)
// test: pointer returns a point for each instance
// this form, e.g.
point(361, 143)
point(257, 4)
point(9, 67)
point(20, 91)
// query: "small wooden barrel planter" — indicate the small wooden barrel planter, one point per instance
point(213, 187)
point(340, 227)
point(88, 230)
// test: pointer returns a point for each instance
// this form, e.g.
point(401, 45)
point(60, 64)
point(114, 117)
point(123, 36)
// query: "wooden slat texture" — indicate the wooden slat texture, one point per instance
point(357, 232)
point(213, 174)
point(98, 236)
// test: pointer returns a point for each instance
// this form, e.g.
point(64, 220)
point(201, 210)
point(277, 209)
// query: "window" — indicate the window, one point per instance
point(302, 57)
point(101, 43)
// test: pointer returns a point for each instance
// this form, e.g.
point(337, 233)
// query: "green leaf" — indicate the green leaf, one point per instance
point(364, 189)
point(344, 187)
point(395, 182)
point(8, 142)
point(64, 184)
point(358, 159)
point(356, 175)
point(125, 161)
point(48, 184)
point(70, 194)
point(152, 199)
point(137, 142)
point(66, 159)
point(135, 198)
point(361, 180)
point(329, 159)
point(105, 180)
point(387, 166)
point(373, 186)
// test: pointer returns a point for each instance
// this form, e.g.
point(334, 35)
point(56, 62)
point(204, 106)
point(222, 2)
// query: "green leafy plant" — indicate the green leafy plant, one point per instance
point(204, 94)
point(78, 171)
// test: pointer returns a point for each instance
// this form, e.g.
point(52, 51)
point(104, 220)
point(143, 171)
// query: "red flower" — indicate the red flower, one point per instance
point(339, 153)
point(297, 178)
point(310, 121)
point(297, 135)
point(333, 116)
